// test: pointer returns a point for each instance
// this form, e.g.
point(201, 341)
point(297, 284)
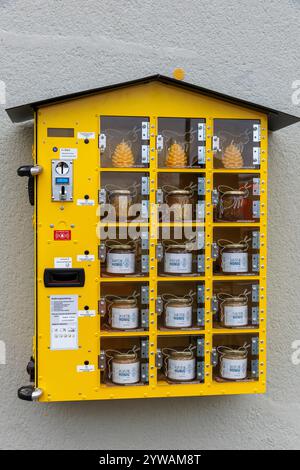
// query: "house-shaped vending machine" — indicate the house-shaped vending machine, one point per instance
point(150, 222)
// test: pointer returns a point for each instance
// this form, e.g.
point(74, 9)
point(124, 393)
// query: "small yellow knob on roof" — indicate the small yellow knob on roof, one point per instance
point(178, 73)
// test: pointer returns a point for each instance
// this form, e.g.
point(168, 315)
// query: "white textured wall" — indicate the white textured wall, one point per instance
point(245, 48)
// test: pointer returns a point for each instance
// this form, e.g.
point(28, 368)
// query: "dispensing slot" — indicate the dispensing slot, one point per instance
point(57, 277)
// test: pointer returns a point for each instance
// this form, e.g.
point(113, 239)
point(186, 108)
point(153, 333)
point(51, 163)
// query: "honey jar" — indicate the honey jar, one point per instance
point(124, 314)
point(121, 259)
point(233, 204)
point(234, 256)
point(233, 362)
point(177, 259)
point(180, 201)
point(178, 311)
point(180, 366)
point(234, 310)
point(121, 199)
point(125, 368)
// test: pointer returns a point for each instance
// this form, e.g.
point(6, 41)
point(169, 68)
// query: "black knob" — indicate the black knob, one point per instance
point(25, 170)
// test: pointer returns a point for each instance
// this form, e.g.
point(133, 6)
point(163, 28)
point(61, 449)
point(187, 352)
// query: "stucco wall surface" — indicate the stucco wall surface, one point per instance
point(247, 49)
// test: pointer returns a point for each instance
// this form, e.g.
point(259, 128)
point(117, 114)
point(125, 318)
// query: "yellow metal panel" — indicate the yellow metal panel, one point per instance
point(56, 372)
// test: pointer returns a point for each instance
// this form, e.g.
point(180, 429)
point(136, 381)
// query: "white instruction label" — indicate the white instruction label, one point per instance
point(65, 262)
point(86, 313)
point(85, 257)
point(86, 368)
point(86, 135)
point(85, 202)
point(68, 153)
point(64, 322)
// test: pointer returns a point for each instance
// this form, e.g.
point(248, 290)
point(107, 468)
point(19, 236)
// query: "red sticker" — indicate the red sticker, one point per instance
point(62, 234)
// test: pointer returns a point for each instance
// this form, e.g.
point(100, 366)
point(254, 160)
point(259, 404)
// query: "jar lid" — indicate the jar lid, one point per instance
point(236, 245)
point(235, 354)
point(120, 247)
point(180, 192)
point(174, 247)
point(124, 301)
point(121, 192)
point(125, 356)
point(182, 355)
point(233, 193)
point(180, 300)
point(235, 299)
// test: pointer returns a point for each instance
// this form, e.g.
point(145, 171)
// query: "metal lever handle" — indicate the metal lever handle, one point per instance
point(30, 171)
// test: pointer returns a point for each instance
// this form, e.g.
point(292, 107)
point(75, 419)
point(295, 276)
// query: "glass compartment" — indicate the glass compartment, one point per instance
point(181, 197)
point(236, 143)
point(235, 304)
point(236, 197)
point(236, 251)
point(180, 359)
point(125, 256)
point(181, 143)
point(124, 306)
point(124, 361)
point(124, 141)
point(235, 357)
point(180, 305)
point(124, 196)
point(180, 251)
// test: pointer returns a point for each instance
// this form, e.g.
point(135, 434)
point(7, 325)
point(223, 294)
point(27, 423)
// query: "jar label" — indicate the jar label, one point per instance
point(235, 315)
point(179, 317)
point(235, 262)
point(178, 263)
point(233, 368)
point(181, 369)
point(120, 263)
point(125, 373)
point(124, 318)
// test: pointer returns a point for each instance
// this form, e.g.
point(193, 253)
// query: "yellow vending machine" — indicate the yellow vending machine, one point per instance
point(150, 229)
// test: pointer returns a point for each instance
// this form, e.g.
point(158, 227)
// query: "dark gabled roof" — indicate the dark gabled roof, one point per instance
point(276, 119)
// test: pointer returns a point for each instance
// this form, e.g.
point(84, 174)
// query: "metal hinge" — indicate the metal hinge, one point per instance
point(254, 368)
point(215, 197)
point(145, 295)
point(145, 185)
point(145, 263)
point(159, 143)
point(145, 209)
point(200, 294)
point(159, 196)
point(200, 316)
point(255, 316)
point(102, 360)
point(144, 239)
point(200, 210)
point(201, 131)
point(255, 263)
point(102, 252)
point(200, 263)
point(214, 304)
point(256, 209)
point(102, 196)
point(159, 359)
point(254, 346)
point(159, 252)
point(145, 317)
point(144, 372)
point(200, 351)
point(214, 357)
point(200, 370)
point(145, 130)
point(201, 186)
point(256, 186)
point(214, 251)
point(255, 240)
point(254, 292)
point(145, 153)
point(102, 307)
point(102, 142)
point(159, 306)
point(201, 154)
point(216, 143)
point(144, 348)
point(256, 156)
point(256, 132)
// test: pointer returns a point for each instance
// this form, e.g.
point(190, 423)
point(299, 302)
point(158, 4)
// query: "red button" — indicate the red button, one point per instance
point(62, 234)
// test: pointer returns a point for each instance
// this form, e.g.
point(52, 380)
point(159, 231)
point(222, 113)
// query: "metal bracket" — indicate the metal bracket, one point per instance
point(145, 130)
point(200, 347)
point(215, 197)
point(256, 209)
point(144, 348)
point(254, 346)
point(159, 252)
point(201, 154)
point(214, 304)
point(256, 186)
point(102, 142)
point(255, 316)
point(200, 294)
point(214, 357)
point(102, 306)
point(102, 196)
point(214, 251)
point(102, 360)
point(201, 186)
point(159, 359)
point(255, 292)
point(216, 143)
point(145, 209)
point(159, 196)
point(144, 372)
point(145, 185)
point(254, 368)
point(201, 131)
point(145, 295)
point(200, 316)
point(200, 370)
point(159, 306)
point(145, 153)
point(256, 156)
point(159, 143)
point(256, 132)
point(200, 263)
point(255, 240)
point(200, 210)
point(255, 263)
point(145, 317)
point(144, 240)
point(102, 252)
point(145, 263)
